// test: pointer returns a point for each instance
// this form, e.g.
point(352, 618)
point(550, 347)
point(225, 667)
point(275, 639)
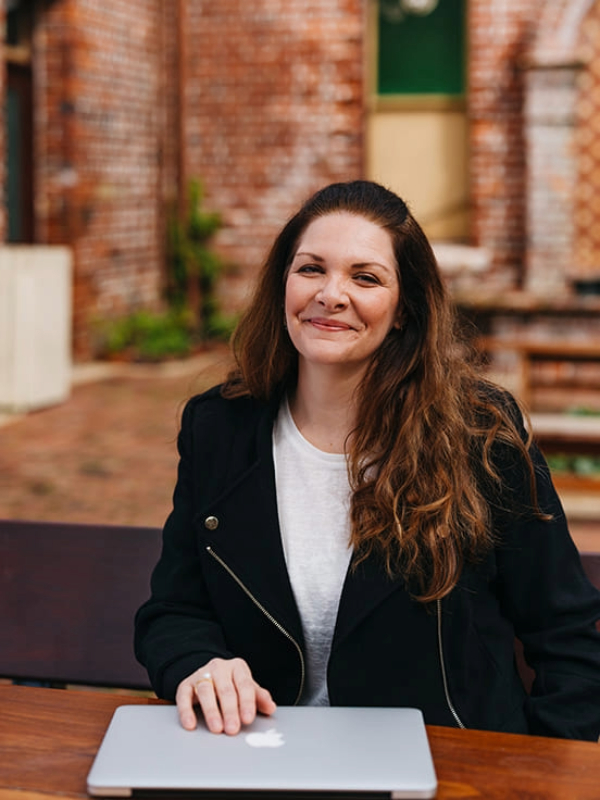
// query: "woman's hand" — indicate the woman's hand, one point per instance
point(227, 694)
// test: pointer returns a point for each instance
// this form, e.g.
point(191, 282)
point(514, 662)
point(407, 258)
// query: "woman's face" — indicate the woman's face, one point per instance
point(342, 291)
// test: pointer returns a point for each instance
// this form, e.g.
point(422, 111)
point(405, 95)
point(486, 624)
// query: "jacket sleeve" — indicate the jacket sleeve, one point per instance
point(553, 607)
point(175, 630)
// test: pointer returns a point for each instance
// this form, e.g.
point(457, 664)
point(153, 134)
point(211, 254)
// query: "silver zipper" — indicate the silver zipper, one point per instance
point(269, 616)
point(453, 711)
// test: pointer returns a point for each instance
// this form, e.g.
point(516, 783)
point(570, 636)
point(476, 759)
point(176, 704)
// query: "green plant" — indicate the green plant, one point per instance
point(194, 267)
point(584, 411)
point(562, 463)
point(148, 336)
point(193, 313)
point(574, 463)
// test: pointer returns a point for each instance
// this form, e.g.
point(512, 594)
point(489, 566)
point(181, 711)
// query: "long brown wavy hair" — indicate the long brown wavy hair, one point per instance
point(421, 462)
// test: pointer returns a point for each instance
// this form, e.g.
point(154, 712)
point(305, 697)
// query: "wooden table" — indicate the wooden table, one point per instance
point(48, 739)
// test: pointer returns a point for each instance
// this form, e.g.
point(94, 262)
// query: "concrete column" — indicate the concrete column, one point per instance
point(549, 135)
point(35, 326)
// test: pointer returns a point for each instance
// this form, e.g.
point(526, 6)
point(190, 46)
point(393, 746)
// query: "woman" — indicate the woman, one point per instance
point(359, 518)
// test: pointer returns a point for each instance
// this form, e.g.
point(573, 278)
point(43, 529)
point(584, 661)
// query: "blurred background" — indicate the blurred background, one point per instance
point(151, 149)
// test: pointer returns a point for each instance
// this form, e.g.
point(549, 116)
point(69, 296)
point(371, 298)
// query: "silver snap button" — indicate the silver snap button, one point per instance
point(212, 523)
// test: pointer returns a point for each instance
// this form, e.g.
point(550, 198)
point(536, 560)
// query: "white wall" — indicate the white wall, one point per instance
point(35, 326)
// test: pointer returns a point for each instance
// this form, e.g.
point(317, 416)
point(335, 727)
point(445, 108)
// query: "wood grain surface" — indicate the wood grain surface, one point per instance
point(48, 740)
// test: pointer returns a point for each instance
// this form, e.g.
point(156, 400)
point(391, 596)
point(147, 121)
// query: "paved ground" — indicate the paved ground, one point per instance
point(108, 454)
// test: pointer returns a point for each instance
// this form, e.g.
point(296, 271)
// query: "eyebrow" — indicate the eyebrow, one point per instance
point(309, 255)
point(358, 265)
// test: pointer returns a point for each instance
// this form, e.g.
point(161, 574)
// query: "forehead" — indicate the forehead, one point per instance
point(343, 234)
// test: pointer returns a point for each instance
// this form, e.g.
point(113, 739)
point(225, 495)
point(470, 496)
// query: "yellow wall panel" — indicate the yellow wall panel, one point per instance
point(422, 155)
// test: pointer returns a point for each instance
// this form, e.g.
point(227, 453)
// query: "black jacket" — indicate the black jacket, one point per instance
point(221, 589)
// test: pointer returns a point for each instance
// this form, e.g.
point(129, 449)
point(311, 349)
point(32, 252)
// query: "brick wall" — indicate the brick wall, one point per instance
point(533, 164)
point(98, 148)
point(169, 107)
point(272, 108)
point(587, 194)
point(499, 34)
point(273, 111)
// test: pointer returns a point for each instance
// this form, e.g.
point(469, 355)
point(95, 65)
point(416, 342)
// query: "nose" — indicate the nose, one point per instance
point(332, 293)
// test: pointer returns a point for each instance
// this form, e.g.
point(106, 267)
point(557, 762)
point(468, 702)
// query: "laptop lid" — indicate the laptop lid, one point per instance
point(323, 750)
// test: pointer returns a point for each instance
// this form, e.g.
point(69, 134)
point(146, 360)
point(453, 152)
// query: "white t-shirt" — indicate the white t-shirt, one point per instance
point(313, 500)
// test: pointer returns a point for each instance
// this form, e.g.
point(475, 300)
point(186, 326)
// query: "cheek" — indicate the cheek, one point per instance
point(294, 298)
point(397, 311)
point(386, 313)
point(290, 305)
point(287, 302)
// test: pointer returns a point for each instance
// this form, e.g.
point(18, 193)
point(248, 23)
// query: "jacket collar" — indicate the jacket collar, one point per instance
point(248, 539)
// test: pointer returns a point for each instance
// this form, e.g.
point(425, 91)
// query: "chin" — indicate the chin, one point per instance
point(333, 360)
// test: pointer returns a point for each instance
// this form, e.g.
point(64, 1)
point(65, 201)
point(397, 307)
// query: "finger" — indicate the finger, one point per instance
point(264, 702)
point(185, 706)
point(246, 689)
point(228, 702)
point(206, 693)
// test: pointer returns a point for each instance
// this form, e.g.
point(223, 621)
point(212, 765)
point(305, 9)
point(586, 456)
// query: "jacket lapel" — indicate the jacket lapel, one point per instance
point(366, 586)
point(247, 537)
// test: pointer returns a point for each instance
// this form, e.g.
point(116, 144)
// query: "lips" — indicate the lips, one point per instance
point(324, 324)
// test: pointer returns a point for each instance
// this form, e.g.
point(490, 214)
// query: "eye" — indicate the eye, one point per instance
point(367, 278)
point(309, 269)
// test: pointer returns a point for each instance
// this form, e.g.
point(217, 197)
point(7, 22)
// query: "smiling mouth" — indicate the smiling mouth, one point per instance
point(329, 324)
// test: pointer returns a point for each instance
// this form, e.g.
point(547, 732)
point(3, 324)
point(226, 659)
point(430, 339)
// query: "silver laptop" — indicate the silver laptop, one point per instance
point(374, 752)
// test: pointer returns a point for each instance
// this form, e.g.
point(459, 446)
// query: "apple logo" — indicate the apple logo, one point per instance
point(269, 738)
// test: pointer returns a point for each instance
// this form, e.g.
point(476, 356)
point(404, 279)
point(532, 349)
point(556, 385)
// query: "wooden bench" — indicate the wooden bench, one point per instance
point(569, 434)
point(568, 356)
point(68, 595)
point(563, 434)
